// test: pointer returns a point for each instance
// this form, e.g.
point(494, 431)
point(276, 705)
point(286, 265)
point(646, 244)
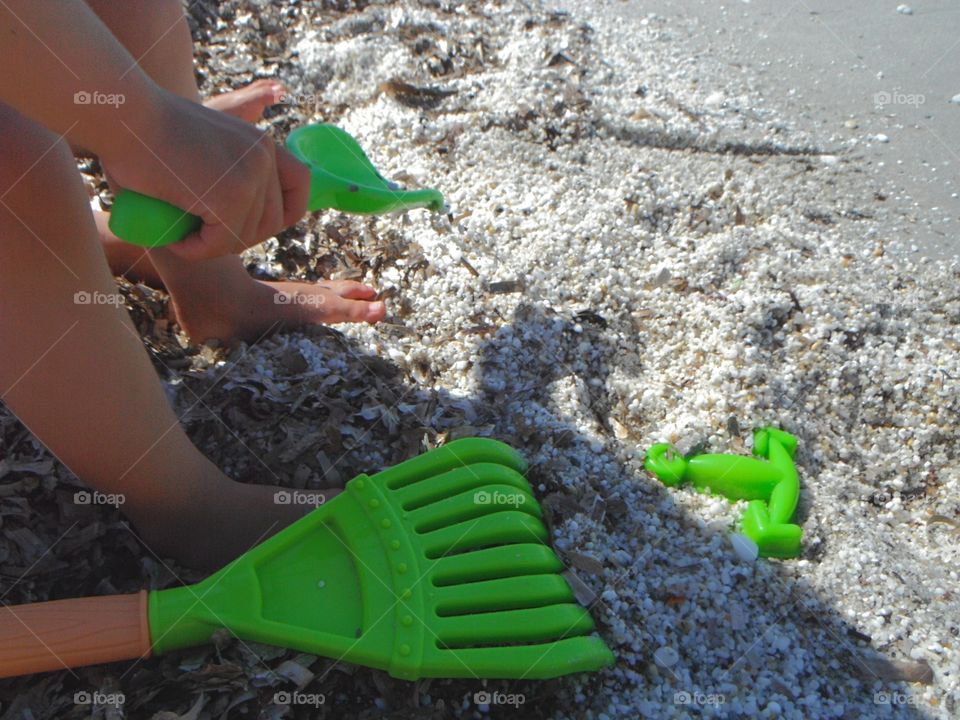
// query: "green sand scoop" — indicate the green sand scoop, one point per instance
point(341, 177)
point(436, 567)
point(771, 486)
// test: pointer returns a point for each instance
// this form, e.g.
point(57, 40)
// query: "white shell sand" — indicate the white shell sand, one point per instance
point(738, 263)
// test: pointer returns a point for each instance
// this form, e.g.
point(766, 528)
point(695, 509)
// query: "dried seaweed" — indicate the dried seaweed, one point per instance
point(894, 670)
point(416, 96)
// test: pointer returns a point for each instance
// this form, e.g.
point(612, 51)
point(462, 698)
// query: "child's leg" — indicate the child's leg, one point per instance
point(75, 372)
point(217, 298)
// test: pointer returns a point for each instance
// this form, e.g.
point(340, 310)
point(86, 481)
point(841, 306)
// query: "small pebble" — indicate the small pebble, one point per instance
point(745, 548)
point(666, 657)
point(714, 99)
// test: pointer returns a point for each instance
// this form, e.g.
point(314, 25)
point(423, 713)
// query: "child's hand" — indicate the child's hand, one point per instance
point(228, 172)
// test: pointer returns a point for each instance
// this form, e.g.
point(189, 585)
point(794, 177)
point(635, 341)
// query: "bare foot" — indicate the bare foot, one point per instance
point(227, 304)
point(218, 298)
point(221, 526)
point(248, 103)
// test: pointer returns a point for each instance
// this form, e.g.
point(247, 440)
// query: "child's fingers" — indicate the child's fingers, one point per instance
point(271, 217)
point(192, 247)
point(258, 195)
point(213, 240)
point(294, 185)
point(249, 235)
point(267, 211)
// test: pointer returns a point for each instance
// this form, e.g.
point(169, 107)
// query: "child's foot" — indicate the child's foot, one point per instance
point(218, 298)
point(248, 103)
point(215, 530)
point(231, 306)
point(221, 300)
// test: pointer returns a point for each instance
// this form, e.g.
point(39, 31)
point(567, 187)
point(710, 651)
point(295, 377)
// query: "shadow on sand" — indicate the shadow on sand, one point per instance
point(647, 579)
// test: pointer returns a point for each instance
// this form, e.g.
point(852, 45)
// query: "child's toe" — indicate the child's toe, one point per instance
point(353, 290)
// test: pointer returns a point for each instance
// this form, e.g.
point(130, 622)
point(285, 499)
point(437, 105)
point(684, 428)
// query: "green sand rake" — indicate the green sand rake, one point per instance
point(436, 567)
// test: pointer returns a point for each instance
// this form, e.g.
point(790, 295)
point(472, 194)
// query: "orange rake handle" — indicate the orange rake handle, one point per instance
point(69, 633)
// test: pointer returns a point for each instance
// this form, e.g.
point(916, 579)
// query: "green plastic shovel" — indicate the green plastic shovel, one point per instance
point(436, 567)
point(341, 177)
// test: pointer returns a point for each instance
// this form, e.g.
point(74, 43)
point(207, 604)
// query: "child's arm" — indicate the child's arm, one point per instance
point(64, 69)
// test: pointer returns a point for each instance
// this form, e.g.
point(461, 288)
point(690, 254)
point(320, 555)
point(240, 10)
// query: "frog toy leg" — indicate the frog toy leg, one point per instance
point(768, 524)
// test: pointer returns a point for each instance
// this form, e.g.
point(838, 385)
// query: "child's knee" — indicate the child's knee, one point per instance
point(33, 160)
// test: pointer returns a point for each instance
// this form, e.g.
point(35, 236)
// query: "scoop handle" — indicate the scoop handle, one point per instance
point(153, 223)
point(149, 222)
point(45, 636)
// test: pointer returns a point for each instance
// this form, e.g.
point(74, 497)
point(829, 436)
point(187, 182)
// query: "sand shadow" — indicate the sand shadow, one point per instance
point(527, 375)
point(773, 618)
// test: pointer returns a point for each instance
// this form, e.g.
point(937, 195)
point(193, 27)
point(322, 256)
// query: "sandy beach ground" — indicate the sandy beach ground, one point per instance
point(664, 224)
point(857, 72)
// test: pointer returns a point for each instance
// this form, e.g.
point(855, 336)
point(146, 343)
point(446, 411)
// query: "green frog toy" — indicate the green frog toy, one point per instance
point(771, 486)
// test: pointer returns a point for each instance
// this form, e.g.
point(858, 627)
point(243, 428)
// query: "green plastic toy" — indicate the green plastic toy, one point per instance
point(771, 486)
point(436, 567)
point(342, 177)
